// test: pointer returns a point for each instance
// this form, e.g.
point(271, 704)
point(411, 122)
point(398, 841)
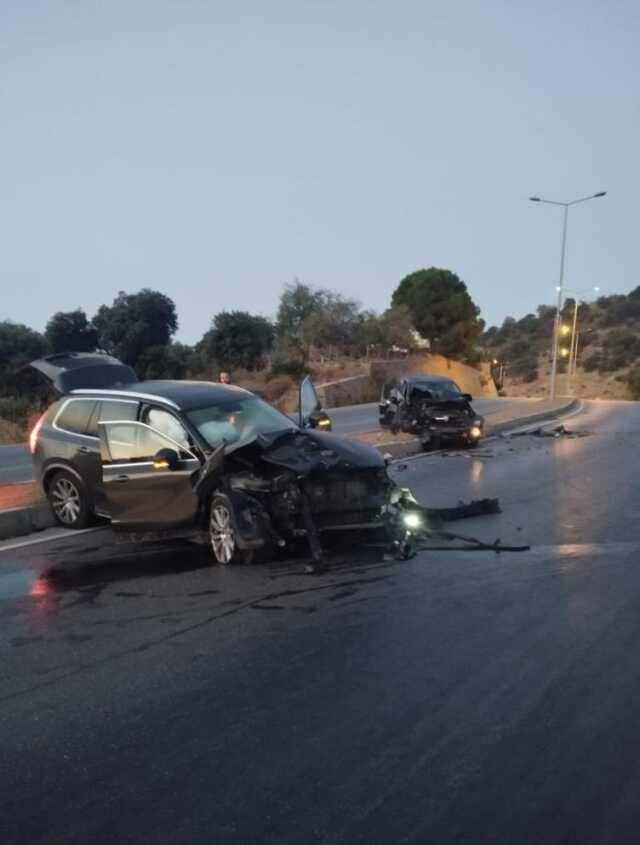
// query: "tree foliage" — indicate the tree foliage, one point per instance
point(70, 331)
point(18, 345)
point(393, 328)
point(298, 303)
point(239, 339)
point(442, 310)
point(333, 323)
point(315, 317)
point(134, 322)
point(173, 361)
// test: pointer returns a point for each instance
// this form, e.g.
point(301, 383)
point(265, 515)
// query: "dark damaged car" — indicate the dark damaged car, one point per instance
point(433, 408)
point(165, 455)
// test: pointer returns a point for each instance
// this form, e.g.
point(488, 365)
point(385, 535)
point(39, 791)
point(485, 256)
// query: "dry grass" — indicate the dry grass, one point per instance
point(11, 433)
point(585, 385)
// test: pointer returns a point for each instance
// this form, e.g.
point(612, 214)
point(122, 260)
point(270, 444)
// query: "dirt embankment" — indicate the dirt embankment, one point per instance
point(584, 385)
point(367, 386)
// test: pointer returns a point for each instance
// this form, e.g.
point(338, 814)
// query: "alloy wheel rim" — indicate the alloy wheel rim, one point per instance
point(65, 499)
point(222, 534)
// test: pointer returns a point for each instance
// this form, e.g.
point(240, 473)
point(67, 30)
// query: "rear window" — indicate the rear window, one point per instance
point(112, 410)
point(75, 415)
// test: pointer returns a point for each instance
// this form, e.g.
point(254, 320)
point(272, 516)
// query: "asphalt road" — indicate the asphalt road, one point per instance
point(365, 417)
point(463, 697)
point(15, 461)
point(15, 464)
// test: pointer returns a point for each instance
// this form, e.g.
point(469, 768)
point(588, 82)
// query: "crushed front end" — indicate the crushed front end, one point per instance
point(306, 486)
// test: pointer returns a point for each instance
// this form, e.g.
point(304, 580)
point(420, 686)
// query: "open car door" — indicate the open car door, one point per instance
point(311, 413)
point(148, 478)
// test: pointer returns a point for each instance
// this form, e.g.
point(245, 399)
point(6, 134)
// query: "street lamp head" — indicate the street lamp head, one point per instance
point(534, 199)
point(601, 194)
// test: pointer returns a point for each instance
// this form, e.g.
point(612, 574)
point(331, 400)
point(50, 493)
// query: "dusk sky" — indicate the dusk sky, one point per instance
point(216, 150)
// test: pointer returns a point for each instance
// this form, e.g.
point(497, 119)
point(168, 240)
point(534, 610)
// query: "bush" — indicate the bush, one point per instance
point(592, 363)
point(633, 383)
point(294, 367)
point(11, 433)
point(16, 410)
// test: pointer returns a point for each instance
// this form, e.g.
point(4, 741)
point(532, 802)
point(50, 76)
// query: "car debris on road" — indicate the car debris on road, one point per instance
point(557, 431)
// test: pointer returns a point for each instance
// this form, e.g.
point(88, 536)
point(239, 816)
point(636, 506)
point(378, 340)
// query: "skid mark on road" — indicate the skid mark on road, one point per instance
point(186, 629)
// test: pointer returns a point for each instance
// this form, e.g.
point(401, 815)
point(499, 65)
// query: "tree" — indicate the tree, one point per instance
point(441, 310)
point(333, 324)
point(173, 361)
point(134, 322)
point(18, 345)
point(70, 331)
point(239, 339)
point(384, 331)
point(298, 302)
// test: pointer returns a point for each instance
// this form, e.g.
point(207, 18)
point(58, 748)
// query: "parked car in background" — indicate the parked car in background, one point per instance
point(162, 455)
point(431, 407)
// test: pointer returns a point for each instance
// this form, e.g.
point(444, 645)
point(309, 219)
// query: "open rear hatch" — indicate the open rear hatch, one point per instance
point(69, 371)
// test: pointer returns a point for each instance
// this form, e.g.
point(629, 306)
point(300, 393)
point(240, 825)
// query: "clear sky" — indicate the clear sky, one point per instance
point(216, 150)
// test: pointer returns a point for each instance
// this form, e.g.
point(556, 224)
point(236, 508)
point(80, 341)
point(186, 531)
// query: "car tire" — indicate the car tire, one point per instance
point(223, 536)
point(69, 501)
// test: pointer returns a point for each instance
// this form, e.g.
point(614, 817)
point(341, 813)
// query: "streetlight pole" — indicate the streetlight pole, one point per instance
point(573, 346)
point(556, 325)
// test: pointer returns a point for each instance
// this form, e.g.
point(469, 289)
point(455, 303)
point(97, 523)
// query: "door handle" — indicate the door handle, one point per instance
point(84, 449)
point(121, 478)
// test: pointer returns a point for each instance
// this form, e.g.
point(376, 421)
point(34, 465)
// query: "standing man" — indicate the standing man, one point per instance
point(224, 378)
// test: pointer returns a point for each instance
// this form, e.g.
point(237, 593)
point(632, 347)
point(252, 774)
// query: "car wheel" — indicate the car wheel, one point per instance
point(69, 501)
point(223, 536)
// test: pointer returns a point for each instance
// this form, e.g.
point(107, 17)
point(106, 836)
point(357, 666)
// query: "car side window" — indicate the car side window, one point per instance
point(112, 409)
point(135, 443)
point(75, 415)
point(165, 422)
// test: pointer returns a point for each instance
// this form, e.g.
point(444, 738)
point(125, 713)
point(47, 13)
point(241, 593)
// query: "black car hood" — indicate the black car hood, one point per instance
point(306, 451)
point(84, 370)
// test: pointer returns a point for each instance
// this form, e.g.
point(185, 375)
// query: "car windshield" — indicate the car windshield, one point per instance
point(238, 419)
point(441, 391)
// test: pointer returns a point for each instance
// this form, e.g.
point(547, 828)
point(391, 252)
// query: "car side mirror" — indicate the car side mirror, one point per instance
point(319, 419)
point(166, 459)
point(467, 397)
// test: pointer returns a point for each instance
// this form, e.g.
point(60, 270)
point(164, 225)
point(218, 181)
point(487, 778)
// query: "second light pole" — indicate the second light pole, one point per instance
point(556, 326)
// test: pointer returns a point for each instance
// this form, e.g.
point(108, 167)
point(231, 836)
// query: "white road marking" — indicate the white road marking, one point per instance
point(61, 535)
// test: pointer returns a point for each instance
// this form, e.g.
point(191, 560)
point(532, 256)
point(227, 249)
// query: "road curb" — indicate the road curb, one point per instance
point(16, 522)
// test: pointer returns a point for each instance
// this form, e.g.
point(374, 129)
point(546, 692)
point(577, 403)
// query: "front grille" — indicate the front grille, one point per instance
point(348, 494)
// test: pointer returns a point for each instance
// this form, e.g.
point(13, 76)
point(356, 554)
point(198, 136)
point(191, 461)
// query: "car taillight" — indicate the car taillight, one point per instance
point(33, 437)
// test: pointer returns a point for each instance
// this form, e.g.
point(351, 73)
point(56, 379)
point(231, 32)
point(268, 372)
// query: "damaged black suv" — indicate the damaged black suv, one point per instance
point(161, 455)
point(433, 408)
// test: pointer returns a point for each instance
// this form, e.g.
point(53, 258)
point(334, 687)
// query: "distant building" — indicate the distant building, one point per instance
point(419, 341)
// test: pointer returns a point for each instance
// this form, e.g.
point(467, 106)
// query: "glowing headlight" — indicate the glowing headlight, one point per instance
point(475, 432)
point(324, 423)
point(412, 520)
